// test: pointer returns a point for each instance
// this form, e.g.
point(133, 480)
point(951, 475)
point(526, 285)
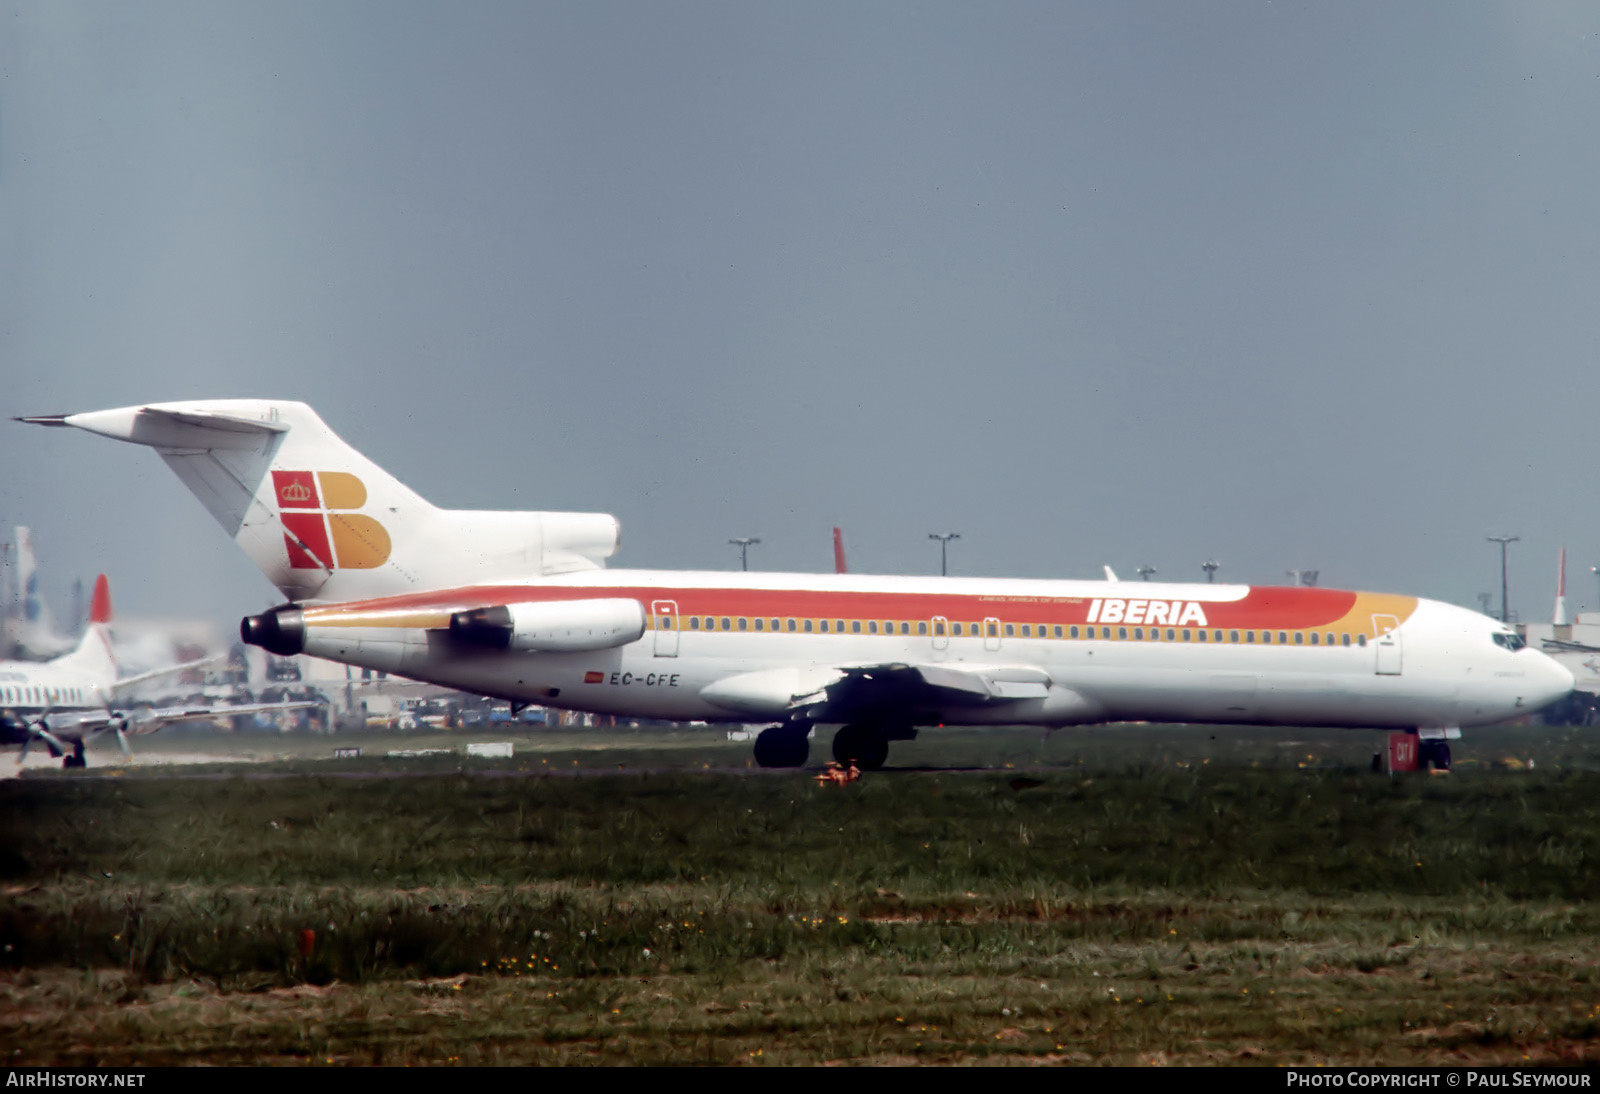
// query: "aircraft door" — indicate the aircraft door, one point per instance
point(941, 636)
point(991, 633)
point(1387, 646)
point(664, 618)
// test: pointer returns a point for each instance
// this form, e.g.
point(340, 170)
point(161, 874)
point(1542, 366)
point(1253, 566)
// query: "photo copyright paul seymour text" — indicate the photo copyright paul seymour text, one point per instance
point(1468, 1079)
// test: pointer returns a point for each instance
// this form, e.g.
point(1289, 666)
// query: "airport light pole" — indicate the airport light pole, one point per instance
point(1146, 572)
point(1595, 570)
point(1211, 567)
point(743, 543)
point(944, 539)
point(1505, 610)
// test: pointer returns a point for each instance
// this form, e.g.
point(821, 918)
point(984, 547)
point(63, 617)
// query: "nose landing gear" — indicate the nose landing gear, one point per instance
point(1433, 753)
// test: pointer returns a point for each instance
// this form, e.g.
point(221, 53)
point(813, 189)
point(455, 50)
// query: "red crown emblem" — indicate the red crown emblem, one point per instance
point(296, 491)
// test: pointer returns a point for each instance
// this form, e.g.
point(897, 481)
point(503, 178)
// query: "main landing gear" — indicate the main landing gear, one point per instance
point(783, 746)
point(77, 758)
point(865, 746)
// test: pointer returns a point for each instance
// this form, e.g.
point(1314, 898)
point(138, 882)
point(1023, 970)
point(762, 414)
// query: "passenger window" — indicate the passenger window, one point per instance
point(694, 622)
point(1330, 639)
point(1185, 635)
point(1200, 634)
point(1361, 640)
point(1171, 634)
point(824, 626)
point(727, 624)
point(807, 625)
point(872, 627)
point(938, 627)
point(838, 625)
point(1216, 636)
point(994, 630)
point(1314, 638)
point(1344, 639)
point(1233, 636)
point(1058, 631)
point(1027, 631)
point(922, 628)
point(1011, 630)
point(905, 628)
point(1299, 639)
point(955, 629)
point(1105, 632)
point(759, 624)
point(855, 626)
point(1122, 632)
point(1074, 632)
point(1138, 633)
point(790, 625)
point(666, 622)
point(1283, 638)
point(744, 624)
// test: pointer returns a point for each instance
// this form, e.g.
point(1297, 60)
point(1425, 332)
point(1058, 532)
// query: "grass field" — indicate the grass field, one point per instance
point(1118, 895)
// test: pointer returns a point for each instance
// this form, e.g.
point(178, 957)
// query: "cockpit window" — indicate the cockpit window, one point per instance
point(1512, 642)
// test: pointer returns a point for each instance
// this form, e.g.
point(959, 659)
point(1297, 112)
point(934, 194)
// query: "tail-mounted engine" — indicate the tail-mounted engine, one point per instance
point(552, 626)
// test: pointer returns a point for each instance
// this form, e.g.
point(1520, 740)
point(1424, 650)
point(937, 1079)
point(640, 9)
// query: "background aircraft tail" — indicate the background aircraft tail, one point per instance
point(323, 522)
point(93, 653)
point(30, 629)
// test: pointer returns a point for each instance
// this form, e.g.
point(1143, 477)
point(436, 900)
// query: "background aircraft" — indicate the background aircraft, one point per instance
point(30, 631)
point(517, 605)
point(63, 702)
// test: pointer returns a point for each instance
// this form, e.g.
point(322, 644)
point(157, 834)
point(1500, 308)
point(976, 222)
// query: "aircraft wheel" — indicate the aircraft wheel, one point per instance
point(1435, 754)
point(76, 758)
point(783, 746)
point(863, 745)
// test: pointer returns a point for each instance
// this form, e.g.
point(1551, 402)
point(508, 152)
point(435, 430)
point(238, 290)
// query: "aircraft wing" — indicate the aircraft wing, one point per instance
point(149, 719)
point(63, 727)
point(126, 682)
point(841, 692)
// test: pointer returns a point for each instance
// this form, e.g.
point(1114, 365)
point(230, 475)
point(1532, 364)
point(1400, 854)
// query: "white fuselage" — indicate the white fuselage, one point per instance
point(1217, 653)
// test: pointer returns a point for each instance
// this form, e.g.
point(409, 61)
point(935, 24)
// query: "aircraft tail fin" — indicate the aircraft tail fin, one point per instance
point(325, 523)
point(93, 652)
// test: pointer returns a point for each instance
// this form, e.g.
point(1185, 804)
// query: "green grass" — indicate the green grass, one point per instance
point(1161, 894)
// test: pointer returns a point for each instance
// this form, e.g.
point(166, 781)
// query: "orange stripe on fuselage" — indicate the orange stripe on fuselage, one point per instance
point(1265, 608)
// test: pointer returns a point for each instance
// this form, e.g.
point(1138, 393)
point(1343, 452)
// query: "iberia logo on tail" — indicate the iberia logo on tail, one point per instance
point(320, 529)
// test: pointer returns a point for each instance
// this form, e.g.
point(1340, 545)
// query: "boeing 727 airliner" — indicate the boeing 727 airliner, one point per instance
point(517, 605)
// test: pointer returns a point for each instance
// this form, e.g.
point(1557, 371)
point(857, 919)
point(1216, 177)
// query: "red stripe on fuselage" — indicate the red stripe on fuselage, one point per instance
point(1267, 607)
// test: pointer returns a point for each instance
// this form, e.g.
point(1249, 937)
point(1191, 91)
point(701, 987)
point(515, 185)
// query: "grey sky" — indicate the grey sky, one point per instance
point(1288, 285)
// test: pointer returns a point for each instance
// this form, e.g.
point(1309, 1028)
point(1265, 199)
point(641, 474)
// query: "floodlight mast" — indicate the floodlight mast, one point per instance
point(743, 543)
point(944, 539)
point(1505, 608)
point(1211, 567)
point(1147, 572)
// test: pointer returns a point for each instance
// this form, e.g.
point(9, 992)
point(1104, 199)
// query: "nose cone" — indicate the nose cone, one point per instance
point(1551, 681)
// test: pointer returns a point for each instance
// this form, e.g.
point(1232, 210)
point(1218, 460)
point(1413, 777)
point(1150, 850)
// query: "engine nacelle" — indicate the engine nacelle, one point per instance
point(552, 626)
point(279, 630)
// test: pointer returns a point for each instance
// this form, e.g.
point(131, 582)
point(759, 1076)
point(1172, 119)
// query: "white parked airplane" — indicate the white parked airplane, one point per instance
point(64, 702)
point(517, 605)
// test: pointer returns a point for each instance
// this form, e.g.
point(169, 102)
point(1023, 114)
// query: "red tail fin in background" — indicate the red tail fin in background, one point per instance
point(838, 551)
point(100, 607)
